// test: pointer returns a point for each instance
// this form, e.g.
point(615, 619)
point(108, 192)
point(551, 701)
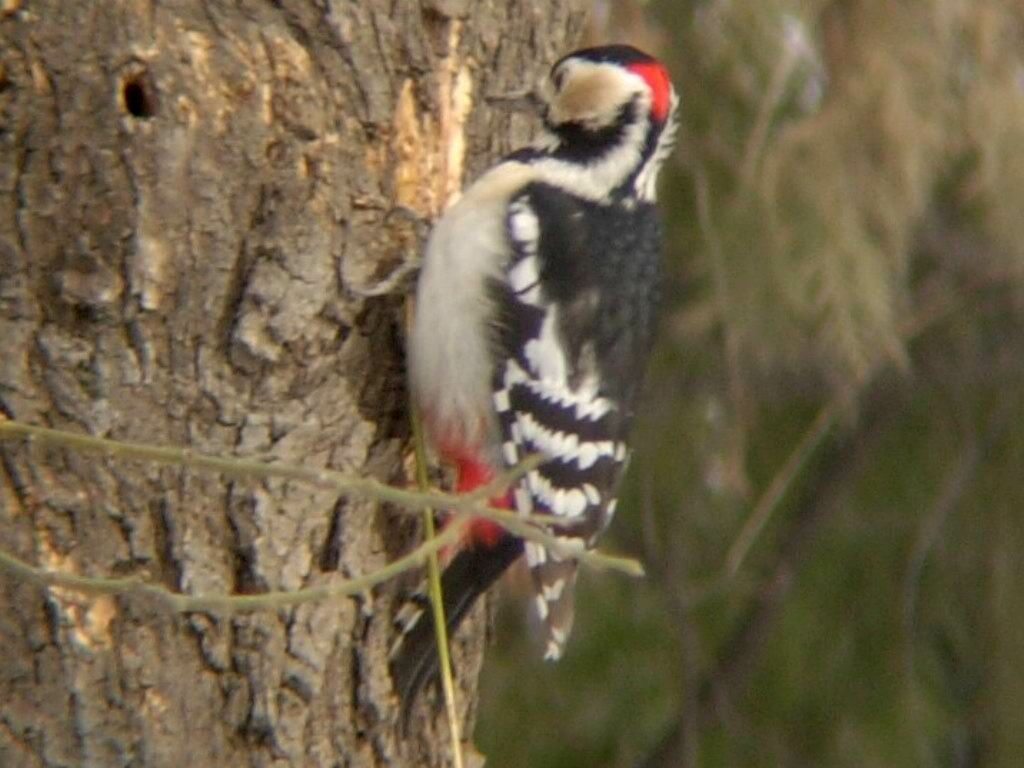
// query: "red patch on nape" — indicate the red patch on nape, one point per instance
point(661, 87)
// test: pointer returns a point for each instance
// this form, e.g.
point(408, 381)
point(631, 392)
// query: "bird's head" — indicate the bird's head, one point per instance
point(595, 90)
point(611, 109)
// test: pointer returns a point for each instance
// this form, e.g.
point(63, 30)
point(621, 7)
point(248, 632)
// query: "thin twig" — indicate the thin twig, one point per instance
point(951, 492)
point(731, 336)
point(841, 461)
point(526, 527)
point(776, 491)
point(934, 311)
point(134, 586)
point(766, 110)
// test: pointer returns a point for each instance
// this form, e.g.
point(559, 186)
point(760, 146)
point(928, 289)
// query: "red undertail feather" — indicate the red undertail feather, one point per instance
point(484, 555)
point(474, 474)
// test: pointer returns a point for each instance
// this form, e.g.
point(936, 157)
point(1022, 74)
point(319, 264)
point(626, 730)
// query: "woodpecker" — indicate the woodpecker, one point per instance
point(534, 317)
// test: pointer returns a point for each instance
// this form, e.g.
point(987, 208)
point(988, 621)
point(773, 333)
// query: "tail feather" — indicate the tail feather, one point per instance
point(554, 579)
point(414, 659)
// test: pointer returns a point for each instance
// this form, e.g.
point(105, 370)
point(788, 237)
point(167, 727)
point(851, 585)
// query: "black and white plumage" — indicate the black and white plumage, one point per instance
point(535, 312)
point(574, 343)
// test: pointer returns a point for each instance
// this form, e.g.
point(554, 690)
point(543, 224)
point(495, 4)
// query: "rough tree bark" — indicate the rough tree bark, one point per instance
point(200, 206)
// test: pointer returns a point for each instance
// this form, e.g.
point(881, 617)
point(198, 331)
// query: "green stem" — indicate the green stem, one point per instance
point(437, 597)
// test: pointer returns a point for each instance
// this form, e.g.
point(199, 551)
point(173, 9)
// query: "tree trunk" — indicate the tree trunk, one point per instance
point(201, 205)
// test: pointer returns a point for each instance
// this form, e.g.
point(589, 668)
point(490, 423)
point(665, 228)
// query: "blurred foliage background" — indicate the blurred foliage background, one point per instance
point(827, 484)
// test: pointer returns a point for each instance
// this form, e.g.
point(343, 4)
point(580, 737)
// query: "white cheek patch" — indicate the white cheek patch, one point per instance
point(593, 94)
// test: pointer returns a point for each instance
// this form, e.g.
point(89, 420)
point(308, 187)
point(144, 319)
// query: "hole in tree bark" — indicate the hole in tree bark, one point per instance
point(138, 97)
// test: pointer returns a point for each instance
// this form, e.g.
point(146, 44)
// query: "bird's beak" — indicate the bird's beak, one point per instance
point(527, 100)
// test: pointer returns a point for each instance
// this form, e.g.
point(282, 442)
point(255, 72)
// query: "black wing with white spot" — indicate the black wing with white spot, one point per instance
point(574, 329)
